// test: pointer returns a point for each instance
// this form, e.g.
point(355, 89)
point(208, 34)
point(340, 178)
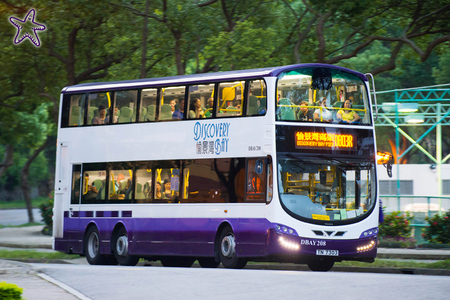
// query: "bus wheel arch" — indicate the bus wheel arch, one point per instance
point(120, 247)
point(227, 248)
point(91, 247)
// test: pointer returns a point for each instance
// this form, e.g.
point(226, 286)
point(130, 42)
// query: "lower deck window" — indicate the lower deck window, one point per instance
point(229, 180)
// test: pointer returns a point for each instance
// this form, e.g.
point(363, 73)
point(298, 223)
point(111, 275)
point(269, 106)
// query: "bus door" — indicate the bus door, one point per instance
point(252, 221)
point(72, 217)
point(61, 189)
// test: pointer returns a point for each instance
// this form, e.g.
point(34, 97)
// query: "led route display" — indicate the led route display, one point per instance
point(316, 140)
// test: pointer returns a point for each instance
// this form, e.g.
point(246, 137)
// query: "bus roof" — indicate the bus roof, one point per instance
point(203, 78)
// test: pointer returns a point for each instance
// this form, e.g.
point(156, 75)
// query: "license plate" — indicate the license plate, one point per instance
point(327, 252)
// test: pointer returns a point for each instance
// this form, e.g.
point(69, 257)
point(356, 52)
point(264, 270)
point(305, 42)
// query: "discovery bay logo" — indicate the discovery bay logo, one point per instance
point(211, 138)
point(27, 28)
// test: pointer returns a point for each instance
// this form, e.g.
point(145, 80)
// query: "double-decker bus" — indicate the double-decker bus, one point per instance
point(272, 164)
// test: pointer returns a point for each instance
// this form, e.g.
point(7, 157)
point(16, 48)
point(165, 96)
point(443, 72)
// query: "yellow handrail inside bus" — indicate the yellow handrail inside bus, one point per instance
point(109, 99)
point(186, 180)
point(162, 96)
point(86, 186)
point(158, 175)
point(113, 185)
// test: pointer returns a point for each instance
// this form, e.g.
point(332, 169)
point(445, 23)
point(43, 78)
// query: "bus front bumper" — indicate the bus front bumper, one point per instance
point(298, 249)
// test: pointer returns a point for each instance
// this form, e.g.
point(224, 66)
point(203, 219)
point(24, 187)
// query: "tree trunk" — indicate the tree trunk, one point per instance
point(144, 41)
point(8, 160)
point(24, 173)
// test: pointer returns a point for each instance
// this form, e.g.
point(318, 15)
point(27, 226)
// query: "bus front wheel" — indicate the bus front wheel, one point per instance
point(227, 250)
point(92, 249)
point(121, 249)
point(321, 265)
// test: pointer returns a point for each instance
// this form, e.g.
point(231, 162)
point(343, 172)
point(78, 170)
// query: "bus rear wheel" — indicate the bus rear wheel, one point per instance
point(121, 249)
point(208, 262)
point(227, 250)
point(320, 265)
point(92, 249)
point(177, 261)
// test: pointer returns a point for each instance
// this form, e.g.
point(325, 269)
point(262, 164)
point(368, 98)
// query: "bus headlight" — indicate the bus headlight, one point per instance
point(369, 233)
point(366, 247)
point(288, 244)
point(285, 229)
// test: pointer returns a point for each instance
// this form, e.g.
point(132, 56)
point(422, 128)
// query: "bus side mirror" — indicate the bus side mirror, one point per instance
point(385, 158)
point(389, 169)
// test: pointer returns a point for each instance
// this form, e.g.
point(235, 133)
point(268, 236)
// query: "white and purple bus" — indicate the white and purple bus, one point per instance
point(273, 164)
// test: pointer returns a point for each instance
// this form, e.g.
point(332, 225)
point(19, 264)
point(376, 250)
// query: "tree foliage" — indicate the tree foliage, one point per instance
point(122, 39)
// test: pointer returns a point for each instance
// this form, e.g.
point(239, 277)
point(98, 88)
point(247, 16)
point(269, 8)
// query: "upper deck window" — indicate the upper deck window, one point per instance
point(322, 95)
point(230, 99)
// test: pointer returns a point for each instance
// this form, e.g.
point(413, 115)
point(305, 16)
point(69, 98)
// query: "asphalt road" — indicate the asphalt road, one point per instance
point(18, 216)
point(118, 282)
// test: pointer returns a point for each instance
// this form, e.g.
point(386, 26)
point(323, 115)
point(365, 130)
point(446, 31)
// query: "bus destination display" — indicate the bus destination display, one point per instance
point(319, 140)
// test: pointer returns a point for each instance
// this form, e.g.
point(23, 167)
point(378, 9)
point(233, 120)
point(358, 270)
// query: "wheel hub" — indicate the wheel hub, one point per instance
point(122, 245)
point(93, 244)
point(228, 246)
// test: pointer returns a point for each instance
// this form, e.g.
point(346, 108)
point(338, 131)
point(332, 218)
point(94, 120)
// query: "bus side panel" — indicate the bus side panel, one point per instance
point(166, 236)
point(252, 237)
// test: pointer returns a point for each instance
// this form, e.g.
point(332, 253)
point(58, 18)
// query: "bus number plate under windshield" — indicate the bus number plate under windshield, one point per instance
point(327, 252)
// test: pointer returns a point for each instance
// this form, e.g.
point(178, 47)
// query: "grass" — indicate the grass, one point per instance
point(23, 225)
point(379, 263)
point(31, 254)
point(387, 263)
point(19, 204)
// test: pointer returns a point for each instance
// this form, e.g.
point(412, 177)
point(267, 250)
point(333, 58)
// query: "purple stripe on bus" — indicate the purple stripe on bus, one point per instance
point(127, 214)
point(196, 237)
point(86, 214)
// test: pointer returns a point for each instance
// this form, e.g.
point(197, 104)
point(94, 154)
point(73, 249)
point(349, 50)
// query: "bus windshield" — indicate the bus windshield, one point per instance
point(326, 189)
point(322, 95)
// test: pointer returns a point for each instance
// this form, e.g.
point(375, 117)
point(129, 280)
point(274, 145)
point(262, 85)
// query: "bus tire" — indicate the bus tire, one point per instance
point(227, 250)
point(177, 261)
point(208, 262)
point(120, 249)
point(320, 265)
point(92, 249)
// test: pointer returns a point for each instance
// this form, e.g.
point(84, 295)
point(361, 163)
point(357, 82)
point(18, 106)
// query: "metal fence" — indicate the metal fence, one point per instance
point(420, 207)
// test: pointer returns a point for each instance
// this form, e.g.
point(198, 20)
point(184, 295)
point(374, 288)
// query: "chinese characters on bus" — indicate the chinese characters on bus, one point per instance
point(211, 138)
point(324, 140)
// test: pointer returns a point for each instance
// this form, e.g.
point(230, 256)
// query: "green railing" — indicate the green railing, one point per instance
point(420, 207)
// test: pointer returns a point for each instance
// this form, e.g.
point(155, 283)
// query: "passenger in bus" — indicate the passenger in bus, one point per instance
point(101, 118)
point(158, 194)
point(237, 105)
point(346, 115)
point(209, 108)
point(116, 117)
point(173, 103)
point(92, 191)
point(179, 113)
point(323, 114)
point(195, 109)
point(304, 114)
point(167, 193)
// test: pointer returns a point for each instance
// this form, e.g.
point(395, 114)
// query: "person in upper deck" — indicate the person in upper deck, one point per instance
point(305, 114)
point(347, 115)
point(101, 118)
point(323, 114)
point(179, 113)
point(195, 109)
